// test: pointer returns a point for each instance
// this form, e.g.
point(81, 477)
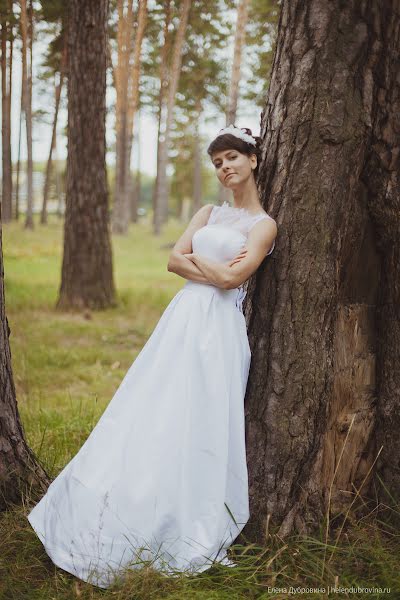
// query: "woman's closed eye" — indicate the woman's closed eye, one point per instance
point(218, 164)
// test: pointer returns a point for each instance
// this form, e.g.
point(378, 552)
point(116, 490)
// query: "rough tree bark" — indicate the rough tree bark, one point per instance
point(20, 473)
point(323, 312)
point(87, 275)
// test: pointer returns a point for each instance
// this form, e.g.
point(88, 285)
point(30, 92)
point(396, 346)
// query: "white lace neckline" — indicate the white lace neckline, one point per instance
point(242, 211)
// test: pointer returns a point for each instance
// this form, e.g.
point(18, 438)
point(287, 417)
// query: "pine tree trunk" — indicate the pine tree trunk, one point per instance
point(135, 179)
point(323, 313)
point(87, 277)
point(162, 182)
point(27, 102)
point(381, 177)
point(239, 43)
point(196, 204)
point(10, 87)
point(20, 473)
point(43, 216)
point(6, 66)
point(164, 83)
point(120, 213)
point(133, 90)
point(240, 36)
point(17, 186)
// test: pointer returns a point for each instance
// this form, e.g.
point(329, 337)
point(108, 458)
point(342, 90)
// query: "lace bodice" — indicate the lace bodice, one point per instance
point(225, 234)
point(239, 219)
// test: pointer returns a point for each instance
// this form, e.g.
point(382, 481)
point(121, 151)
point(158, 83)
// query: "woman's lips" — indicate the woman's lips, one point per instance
point(228, 175)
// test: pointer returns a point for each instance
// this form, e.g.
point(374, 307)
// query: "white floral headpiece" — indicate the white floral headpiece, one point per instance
point(237, 133)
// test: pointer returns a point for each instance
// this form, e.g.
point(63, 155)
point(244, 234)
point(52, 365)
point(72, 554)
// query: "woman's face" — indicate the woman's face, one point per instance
point(233, 168)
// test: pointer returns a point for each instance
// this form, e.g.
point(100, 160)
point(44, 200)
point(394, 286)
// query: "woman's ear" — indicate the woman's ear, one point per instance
point(254, 161)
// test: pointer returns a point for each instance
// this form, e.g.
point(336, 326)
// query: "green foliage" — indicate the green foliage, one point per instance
point(53, 14)
point(261, 35)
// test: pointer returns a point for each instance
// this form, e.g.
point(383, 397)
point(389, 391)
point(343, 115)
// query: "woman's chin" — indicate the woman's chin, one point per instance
point(231, 185)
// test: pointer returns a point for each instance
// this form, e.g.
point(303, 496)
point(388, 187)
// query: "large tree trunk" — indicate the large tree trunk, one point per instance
point(381, 177)
point(87, 276)
point(6, 69)
point(19, 471)
point(162, 182)
point(323, 312)
point(43, 215)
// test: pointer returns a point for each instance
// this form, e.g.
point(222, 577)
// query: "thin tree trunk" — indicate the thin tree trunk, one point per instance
point(19, 471)
point(323, 313)
point(26, 94)
point(120, 207)
point(28, 112)
point(43, 216)
point(196, 204)
point(162, 182)
point(17, 187)
point(10, 80)
point(6, 66)
point(59, 188)
point(239, 43)
point(135, 180)
point(133, 86)
point(164, 83)
point(87, 276)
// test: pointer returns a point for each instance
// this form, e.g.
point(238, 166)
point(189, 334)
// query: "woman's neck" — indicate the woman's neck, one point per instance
point(247, 196)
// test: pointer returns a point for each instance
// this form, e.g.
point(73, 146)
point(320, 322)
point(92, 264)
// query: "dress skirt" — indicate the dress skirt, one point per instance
point(163, 475)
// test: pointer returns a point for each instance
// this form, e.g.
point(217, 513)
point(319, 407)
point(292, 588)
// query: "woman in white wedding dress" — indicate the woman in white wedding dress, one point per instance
point(163, 475)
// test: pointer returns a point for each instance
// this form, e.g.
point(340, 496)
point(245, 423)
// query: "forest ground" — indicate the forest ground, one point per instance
point(66, 369)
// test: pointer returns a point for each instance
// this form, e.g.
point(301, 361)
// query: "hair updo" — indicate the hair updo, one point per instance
point(227, 141)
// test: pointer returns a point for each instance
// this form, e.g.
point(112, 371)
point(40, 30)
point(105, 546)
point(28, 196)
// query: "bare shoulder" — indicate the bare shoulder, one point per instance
point(267, 225)
point(202, 215)
point(207, 208)
point(262, 235)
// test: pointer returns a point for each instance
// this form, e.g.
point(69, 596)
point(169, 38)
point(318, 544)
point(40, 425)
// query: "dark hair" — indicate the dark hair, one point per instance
point(228, 141)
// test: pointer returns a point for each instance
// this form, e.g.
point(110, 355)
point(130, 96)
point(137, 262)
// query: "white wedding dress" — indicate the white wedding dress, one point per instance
point(163, 475)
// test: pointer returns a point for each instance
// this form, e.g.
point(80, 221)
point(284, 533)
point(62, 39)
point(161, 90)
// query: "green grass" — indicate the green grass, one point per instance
point(67, 367)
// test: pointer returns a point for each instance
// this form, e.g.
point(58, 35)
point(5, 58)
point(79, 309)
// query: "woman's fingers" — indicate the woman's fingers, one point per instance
point(238, 258)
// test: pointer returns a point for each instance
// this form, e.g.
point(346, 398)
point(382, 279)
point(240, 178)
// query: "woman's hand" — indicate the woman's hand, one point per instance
point(192, 256)
point(238, 258)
